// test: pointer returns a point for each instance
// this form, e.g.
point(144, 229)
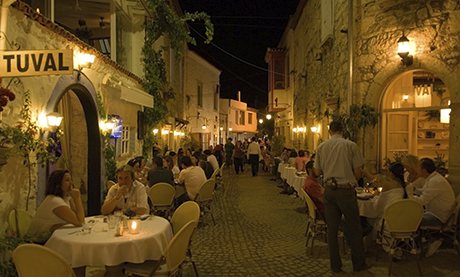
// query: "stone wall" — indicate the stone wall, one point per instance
point(320, 72)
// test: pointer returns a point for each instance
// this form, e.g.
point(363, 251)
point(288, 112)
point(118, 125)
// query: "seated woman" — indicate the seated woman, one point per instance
point(62, 205)
point(393, 187)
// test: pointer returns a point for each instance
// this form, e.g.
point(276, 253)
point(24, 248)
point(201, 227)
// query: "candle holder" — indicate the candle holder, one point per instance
point(133, 226)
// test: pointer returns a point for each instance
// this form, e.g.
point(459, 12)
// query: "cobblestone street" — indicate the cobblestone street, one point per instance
point(259, 232)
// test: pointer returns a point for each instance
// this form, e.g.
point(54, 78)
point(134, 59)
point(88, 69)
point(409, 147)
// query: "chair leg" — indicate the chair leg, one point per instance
point(312, 244)
point(418, 264)
point(194, 268)
point(212, 216)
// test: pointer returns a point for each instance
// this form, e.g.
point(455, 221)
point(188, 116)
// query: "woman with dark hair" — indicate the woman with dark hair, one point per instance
point(393, 187)
point(62, 205)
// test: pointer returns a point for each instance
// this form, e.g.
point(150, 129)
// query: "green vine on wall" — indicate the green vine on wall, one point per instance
point(164, 22)
point(30, 141)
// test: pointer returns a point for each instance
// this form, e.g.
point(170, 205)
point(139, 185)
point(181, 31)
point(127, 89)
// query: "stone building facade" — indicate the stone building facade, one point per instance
point(339, 53)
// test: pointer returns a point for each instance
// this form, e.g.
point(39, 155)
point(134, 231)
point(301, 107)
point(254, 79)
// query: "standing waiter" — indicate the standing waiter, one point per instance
point(254, 156)
point(340, 162)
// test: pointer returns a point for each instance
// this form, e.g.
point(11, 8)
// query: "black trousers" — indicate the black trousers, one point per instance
point(254, 160)
point(238, 164)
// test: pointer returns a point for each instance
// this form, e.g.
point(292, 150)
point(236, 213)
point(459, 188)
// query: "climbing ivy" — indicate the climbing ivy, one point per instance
point(165, 22)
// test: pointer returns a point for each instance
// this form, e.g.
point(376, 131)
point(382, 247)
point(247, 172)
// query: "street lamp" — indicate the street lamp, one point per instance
point(261, 121)
point(268, 116)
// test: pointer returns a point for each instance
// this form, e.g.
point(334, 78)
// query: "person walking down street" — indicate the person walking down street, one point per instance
point(228, 147)
point(253, 156)
point(238, 157)
point(340, 162)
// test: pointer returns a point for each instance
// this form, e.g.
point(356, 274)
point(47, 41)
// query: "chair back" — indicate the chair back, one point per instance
point(452, 223)
point(403, 216)
point(221, 170)
point(109, 184)
point(162, 194)
point(310, 204)
point(177, 248)
point(33, 260)
point(206, 191)
point(19, 222)
point(188, 211)
point(214, 174)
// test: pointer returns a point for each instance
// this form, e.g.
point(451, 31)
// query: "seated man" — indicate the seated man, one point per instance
point(313, 188)
point(128, 195)
point(192, 177)
point(159, 174)
point(438, 198)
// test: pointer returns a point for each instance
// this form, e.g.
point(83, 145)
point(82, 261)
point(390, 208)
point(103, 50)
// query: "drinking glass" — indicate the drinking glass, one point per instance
point(112, 221)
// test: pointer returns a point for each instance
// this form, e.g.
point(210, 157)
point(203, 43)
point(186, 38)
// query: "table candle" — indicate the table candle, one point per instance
point(133, 226)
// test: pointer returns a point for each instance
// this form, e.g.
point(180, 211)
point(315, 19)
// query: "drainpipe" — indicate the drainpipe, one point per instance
point(350, 55)
point(5, 4)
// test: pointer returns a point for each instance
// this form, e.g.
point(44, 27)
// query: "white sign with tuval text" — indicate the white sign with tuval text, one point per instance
point(36, 62)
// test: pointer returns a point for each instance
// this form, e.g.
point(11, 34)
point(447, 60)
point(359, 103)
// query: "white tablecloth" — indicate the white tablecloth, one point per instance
point(283, 170)
point(297, 184)
point(368, 208)
point(102, 247)
point(290, 175)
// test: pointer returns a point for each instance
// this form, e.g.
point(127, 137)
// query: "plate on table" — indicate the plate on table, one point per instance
point(364, 195)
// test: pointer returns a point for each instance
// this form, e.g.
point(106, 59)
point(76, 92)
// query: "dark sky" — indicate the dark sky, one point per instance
point(244, 29)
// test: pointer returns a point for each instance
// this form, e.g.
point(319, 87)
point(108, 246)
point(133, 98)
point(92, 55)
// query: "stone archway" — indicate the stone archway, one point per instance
point(84, 90)
point(449, 75)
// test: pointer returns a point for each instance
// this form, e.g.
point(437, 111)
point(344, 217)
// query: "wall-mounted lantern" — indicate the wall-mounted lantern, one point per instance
point(404, 51)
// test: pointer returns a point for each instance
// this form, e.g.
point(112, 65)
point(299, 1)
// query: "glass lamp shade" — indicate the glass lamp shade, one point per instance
point(403, 46)
point(84, 60)
point(54, 119)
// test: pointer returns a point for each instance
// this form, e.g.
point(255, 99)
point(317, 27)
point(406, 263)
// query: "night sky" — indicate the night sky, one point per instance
point(244, 29)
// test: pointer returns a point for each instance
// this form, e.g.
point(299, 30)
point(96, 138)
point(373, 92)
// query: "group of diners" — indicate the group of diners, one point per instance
point(63, 205)
point(412, 178)
point(332, 181)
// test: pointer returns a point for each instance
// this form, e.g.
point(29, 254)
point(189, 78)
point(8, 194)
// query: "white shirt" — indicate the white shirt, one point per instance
point(175, 171)
point(254, 149)
point(337, 157)
point(45, 218)
point(193, 178)
point(213, 161)
point(136, 197)
point(437, 196)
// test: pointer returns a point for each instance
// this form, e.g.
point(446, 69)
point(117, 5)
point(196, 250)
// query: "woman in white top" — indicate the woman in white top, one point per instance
point(393, 187)
point(62, 205)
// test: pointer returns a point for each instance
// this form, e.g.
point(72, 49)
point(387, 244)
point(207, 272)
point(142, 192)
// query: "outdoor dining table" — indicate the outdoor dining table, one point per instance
point(102, 247)
point(367, 204)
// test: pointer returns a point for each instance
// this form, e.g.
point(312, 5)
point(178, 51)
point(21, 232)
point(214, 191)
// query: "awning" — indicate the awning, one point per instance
point(136, 96)
point(181, 122)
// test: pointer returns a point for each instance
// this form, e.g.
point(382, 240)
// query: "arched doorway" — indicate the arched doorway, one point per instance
point(411, 117)
point(75, 98)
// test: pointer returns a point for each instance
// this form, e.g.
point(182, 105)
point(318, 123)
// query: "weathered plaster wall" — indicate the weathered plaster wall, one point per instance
point(28, 34)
